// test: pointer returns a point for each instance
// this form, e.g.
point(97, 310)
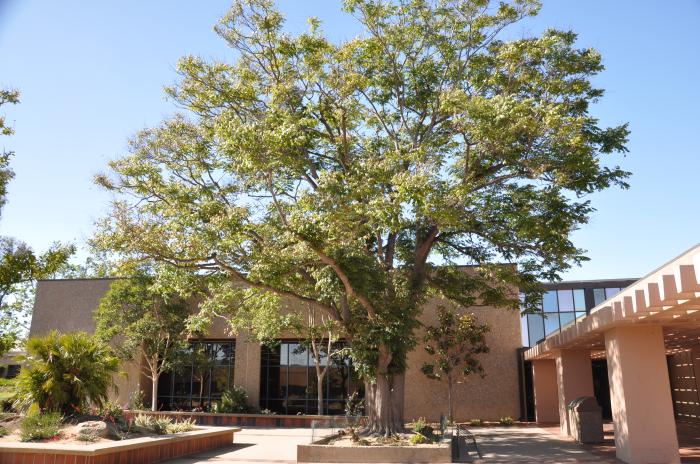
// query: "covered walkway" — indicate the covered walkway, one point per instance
point(635, 331)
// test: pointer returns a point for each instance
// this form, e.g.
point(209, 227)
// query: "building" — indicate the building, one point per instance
point(282, 379)
point(634, 344)
point(649, 336)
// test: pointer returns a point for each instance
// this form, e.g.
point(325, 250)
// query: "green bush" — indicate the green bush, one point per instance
point(40, 426)
point(137, 401)
point(3, 431)
point(476, 422)
point(160, 425)
point(421, 426)
point(65, 373)
point(233, 400)
point(111, 412)
point(418, 439)
point(506, 421)
point(182, 426)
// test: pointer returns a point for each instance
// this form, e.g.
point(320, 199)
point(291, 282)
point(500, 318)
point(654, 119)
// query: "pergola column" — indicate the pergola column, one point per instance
point(640, 395)
point(574, 379)
point(544, 382)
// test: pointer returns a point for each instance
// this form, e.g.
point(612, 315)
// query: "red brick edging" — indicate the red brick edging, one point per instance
point(133, 451)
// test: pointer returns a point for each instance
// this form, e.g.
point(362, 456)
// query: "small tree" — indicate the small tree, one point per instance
point(143, 319)
point(319, 336)
point(65, 373)
point(454, 345)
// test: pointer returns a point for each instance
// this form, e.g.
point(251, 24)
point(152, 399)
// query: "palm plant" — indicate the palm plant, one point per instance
point(65, 372)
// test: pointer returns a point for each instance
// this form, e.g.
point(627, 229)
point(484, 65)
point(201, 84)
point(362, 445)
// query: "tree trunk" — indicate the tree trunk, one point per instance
point(449, 399)
point(154, 393)
point(384, 399)
point(319, 394)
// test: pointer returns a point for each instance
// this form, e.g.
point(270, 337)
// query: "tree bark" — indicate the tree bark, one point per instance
point(154, 393)
point(449, 398)
point(384, 398)
point(319, 394)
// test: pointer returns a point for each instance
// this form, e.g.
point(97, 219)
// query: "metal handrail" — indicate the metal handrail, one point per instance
point(463, 431)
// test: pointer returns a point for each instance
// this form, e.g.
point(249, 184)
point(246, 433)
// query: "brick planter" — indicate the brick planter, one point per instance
point(144, 450)
point(249, 420)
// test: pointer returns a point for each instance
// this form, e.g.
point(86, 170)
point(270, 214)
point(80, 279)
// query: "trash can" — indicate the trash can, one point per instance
point(586, 420)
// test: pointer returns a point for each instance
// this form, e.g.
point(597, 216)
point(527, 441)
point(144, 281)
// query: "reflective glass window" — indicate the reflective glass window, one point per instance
point(197, 383)
point(579, 300)
point(535, 328)
point(566, 318)
point(551, 323)
point(289, 385)
point(549, 301)
point(611, 292)
point(598, 296)
point(566, 300)
point(523, 331)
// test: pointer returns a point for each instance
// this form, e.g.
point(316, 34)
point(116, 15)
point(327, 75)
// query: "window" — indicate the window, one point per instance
point(288, 383)
point(206, 372)
point(611, 292)
point(549, 302)
point(566, 318)
point(535, 328)
point(551, 323)
point(579, 300)
point(566, 300)
point(523, 331)
point(598, 296)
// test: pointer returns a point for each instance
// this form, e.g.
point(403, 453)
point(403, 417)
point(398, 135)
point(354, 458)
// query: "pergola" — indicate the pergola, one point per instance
point(635, 330)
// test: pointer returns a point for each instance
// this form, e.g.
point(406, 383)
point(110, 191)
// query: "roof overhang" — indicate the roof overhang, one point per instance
point(668, 296)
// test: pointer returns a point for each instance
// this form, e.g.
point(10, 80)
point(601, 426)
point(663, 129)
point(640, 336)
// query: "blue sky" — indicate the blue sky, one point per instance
point(91, 74)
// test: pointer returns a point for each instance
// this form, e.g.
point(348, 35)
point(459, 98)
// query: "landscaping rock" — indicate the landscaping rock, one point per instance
point(92, 428)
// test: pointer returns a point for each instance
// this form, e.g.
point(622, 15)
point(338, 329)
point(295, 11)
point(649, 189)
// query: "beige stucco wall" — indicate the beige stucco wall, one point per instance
point(490, 398)
point(67, 305)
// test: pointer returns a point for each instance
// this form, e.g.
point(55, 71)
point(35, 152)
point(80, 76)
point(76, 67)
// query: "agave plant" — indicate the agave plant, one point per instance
point(65, 373)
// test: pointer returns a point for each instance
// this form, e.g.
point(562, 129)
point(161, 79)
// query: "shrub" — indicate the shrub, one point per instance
point(506, 421)
point(159, 425)
point(421, 426)
point(143, 421)
point(476, 422)
point(182, 426)
point(87, 435)
point(3, 431)
point(418, 439)
point(40, 426)
point(64, 373)
point(111, 412)
point(233, 400)
point(137, 401)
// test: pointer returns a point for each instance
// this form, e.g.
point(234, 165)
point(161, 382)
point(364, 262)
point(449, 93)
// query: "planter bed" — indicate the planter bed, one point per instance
point(144, 450)
point(249, 420)
point(321, 452)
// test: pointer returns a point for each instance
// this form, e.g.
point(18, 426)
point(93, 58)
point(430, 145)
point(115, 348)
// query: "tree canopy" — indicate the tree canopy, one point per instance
point(356, 177)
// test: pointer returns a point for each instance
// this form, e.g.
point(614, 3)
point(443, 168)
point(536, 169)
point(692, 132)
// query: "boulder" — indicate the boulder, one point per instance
point(92, 428)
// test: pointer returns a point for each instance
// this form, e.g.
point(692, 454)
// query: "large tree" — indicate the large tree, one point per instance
point(354, 177)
